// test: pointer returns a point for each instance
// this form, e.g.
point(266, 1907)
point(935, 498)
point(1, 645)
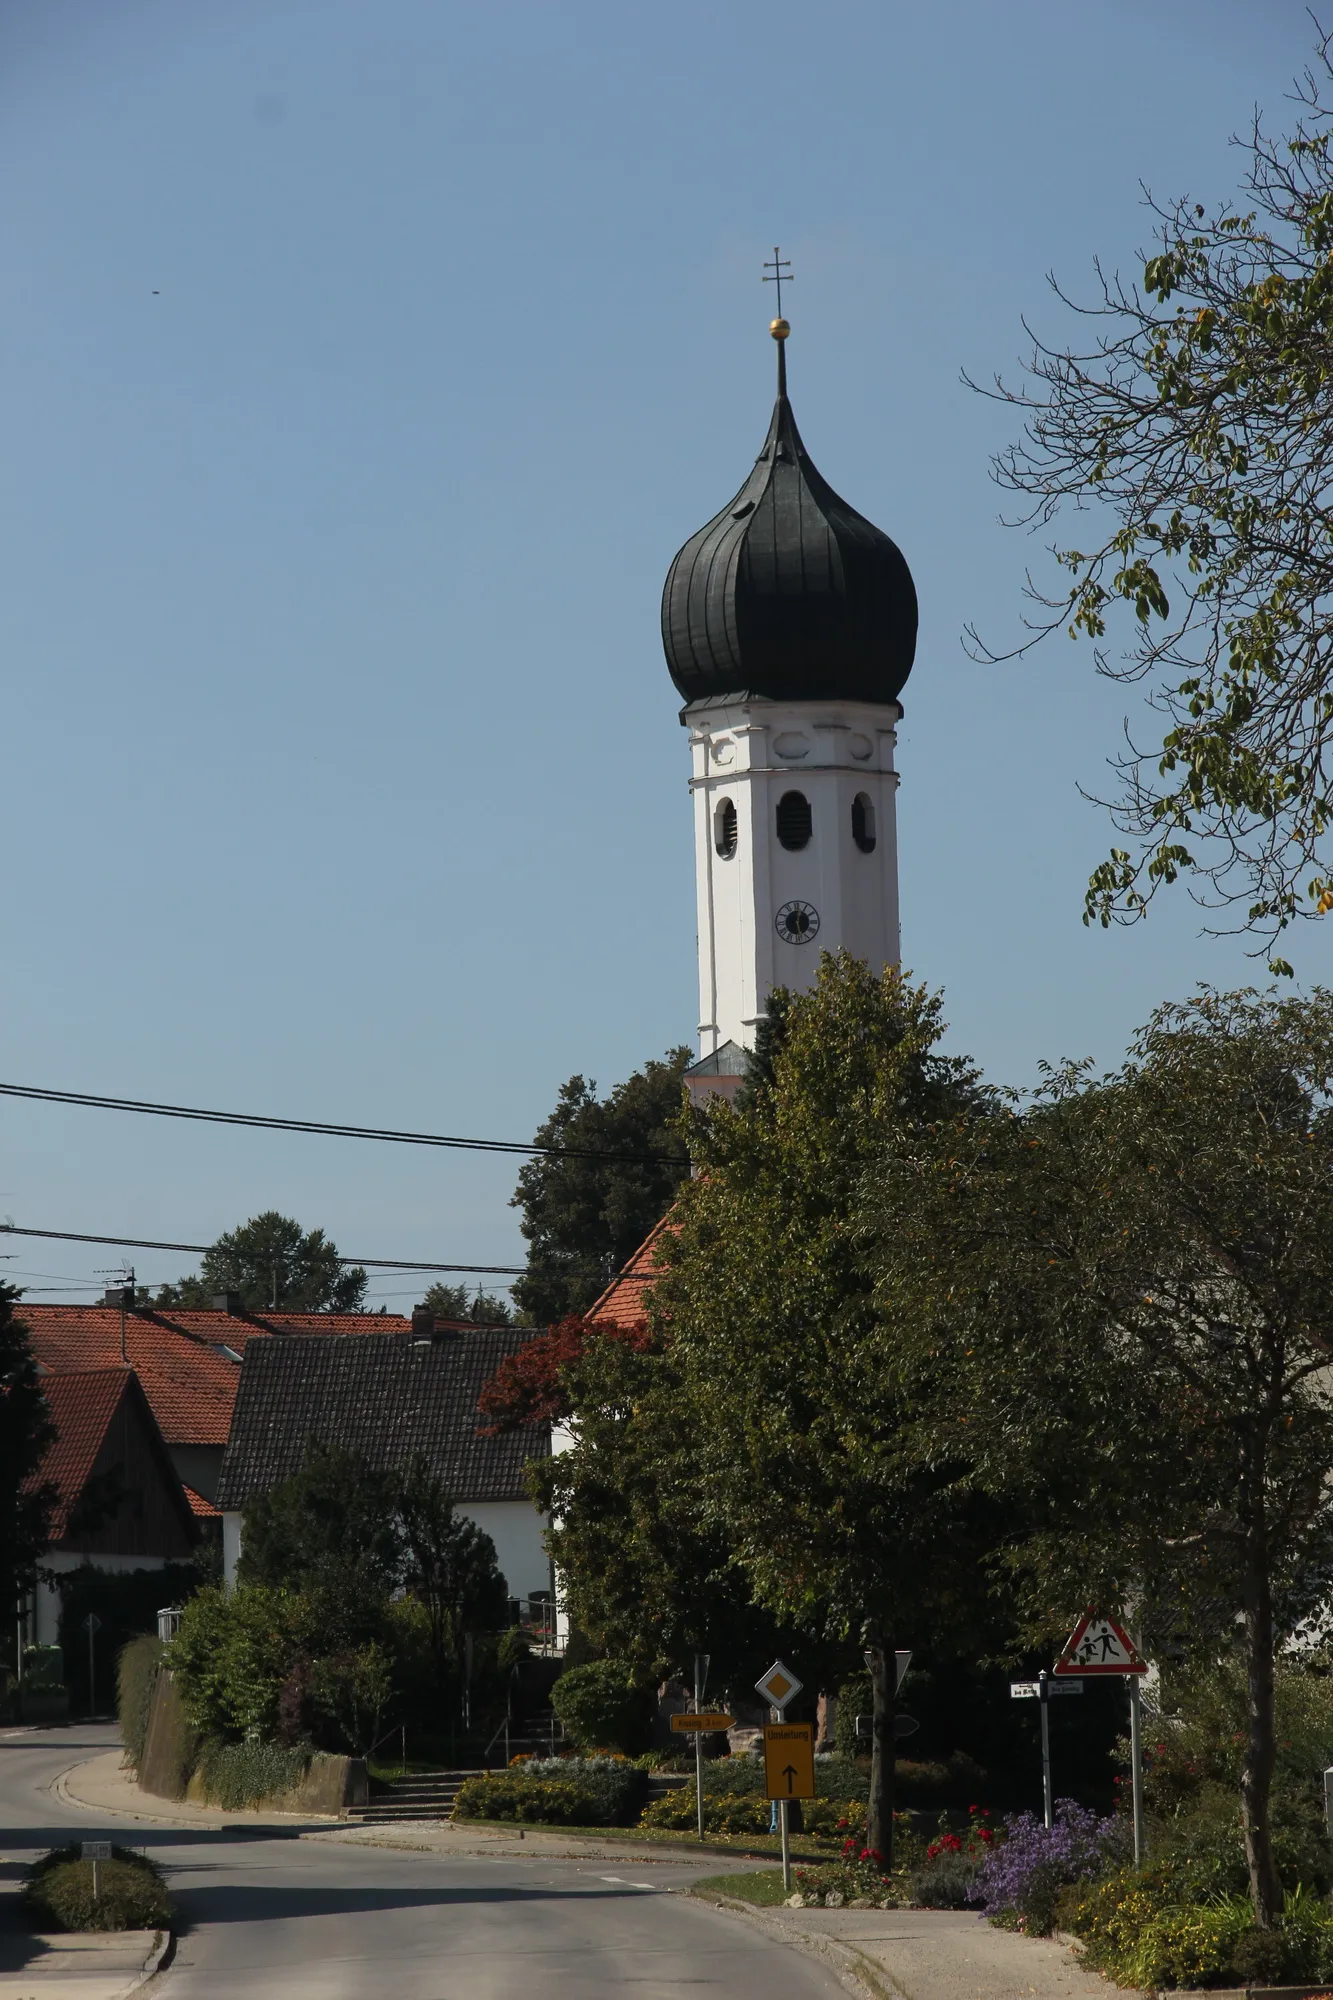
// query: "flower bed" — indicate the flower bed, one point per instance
point(555, 1791)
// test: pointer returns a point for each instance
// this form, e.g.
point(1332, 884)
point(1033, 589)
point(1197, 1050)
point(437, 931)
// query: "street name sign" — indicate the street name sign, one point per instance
point(1097, 1645)
point(1031, 1690)
point(779, 1686)
point(702, 1724)
point(97, 1850)
point(789, 1760)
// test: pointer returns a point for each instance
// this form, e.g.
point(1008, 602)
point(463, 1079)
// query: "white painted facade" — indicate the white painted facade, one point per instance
point(44, 1605)
point(750, 753)
point(515, 1527)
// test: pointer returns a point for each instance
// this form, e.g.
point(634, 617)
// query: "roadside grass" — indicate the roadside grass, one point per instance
point(763, 1887)
point(749, 1846)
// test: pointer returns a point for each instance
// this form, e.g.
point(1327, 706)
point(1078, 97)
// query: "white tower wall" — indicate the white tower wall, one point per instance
point(751, 752)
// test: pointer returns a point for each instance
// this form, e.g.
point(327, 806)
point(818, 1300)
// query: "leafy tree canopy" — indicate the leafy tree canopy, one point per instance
point(457, 1302)
point(1194, 429)
point(275, 1266)
point(1115, 1305)
point(26, 1432)
point(585, 1216)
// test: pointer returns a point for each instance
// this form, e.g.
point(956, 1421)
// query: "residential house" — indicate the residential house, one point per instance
point(388, 1396)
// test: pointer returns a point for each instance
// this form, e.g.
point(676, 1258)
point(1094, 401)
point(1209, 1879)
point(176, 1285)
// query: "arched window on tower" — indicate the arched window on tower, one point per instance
point(724, 828)
point(863, 823)
point(794, 821)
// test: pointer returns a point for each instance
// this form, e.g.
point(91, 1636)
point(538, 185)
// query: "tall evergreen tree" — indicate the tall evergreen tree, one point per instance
point(587, 1210)
point(26, 1432)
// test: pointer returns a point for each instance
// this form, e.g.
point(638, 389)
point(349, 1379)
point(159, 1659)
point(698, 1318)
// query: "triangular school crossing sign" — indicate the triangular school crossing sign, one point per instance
point(1097, 1645)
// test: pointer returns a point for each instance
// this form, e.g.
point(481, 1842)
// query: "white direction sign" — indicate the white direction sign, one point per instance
point(1097, 1645)
point(1031, 1690)
point(779, 1685)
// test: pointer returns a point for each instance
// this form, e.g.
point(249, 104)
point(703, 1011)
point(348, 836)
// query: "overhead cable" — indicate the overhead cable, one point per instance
point(385, 1134)
point(198, 1249)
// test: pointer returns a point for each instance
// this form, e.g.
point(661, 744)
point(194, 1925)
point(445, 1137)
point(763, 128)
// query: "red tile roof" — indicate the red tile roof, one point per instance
point(624, 1303)
point(188, 1363)
point(204, 1509)
point(82, 1406)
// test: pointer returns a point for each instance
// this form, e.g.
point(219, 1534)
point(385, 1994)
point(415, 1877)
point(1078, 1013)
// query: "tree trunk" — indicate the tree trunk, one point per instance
point(879, 1818)
point(1256, 1782)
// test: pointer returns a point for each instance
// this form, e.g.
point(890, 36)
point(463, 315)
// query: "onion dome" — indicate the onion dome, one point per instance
point(789, 593)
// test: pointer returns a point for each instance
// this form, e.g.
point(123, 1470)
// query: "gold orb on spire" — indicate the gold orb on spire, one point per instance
point(779, 329)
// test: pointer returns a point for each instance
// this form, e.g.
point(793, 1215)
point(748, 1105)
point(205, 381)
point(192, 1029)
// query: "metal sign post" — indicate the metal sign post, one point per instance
point(97, 1851)
point(92, 1625)
point(1044, 1697)
point(1136, 1758)
point(700, 1681)
point(779, 1686)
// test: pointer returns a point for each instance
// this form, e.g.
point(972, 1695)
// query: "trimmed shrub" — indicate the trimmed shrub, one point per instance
point(235, 1775)
point(136, 1679)
point(615, 1786)
point(724, 1811)
point(604, 1706)
point(536, 1801)
point(58, 1893)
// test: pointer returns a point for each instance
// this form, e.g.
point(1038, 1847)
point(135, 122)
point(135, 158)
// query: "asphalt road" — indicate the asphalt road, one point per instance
point(279, 1918)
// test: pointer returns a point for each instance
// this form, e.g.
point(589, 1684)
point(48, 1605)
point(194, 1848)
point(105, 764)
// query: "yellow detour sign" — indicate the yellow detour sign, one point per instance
point(702, 1725)
point(789, 1760)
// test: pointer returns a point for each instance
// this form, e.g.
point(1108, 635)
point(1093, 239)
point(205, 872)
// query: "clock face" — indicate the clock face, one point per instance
point(798, 923)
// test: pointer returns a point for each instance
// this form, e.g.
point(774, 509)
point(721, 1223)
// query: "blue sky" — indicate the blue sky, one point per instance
point(362, 369)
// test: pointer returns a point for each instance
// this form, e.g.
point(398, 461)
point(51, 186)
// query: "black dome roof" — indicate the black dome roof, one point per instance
point(789, 592)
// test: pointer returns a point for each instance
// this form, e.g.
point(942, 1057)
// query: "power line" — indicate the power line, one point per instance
point(198, 1249)
point(385, 1134)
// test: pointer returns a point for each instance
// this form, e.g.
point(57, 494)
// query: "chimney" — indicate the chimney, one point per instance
point(228, 1302)
point(423, 1323)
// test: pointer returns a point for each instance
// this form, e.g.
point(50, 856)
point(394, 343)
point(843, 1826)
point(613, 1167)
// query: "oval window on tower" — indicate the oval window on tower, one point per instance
point(794, 822)
point(724, 828)
point(863, 823)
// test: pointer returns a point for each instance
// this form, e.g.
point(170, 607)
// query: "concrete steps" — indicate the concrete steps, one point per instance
point(421, 1795)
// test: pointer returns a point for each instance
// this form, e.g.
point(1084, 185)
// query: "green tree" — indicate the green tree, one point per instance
point(1114, 1309)
point(768, 1436)
point(1194, 430)
point(449, 1565)
point(275, 1266)
point(587, 1208)
point(332, 1522)
point(26, 1433)
point(457, 1302)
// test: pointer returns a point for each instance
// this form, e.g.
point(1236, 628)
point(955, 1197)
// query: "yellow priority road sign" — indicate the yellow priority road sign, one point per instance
point(703, 1724)
point(789, 1760)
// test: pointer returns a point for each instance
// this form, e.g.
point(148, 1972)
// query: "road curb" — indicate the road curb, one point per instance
point(859, 1974)
point(158, 1959)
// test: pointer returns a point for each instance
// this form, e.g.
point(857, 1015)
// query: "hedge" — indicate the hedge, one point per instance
point(58, 1893)
point(136, 1679)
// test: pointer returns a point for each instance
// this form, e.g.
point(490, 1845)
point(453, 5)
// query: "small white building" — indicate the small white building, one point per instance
point(387, 1398)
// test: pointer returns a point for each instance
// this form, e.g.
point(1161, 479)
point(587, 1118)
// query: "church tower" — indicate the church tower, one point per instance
point(789, 624)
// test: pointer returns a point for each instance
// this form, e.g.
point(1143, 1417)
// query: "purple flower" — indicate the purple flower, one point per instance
point(1022, 1873)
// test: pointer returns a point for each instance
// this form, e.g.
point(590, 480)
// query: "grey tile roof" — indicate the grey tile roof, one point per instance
point(384, 1396)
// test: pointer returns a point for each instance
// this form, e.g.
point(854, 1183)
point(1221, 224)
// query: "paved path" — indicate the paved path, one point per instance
point(949, 1955)
point(273, 1916)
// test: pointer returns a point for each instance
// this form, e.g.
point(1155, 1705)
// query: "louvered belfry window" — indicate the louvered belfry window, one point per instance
point(724, 829)
point(794, 821)
point(863, 823)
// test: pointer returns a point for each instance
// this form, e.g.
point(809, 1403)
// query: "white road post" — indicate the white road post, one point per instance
point(1043, 1696)
point(1136, 1758)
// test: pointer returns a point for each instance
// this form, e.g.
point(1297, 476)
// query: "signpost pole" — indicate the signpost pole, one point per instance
point(1136, 1758)
point(1043, 1696)
point(783, 1810)
point(700, 1675)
